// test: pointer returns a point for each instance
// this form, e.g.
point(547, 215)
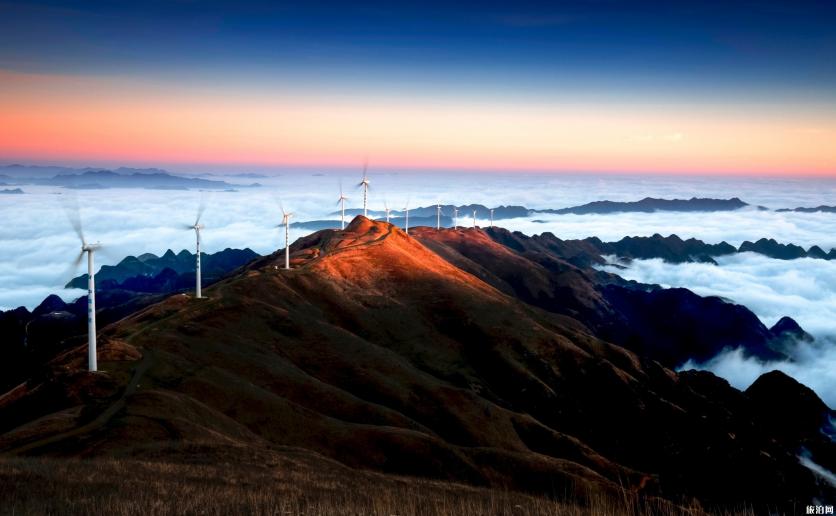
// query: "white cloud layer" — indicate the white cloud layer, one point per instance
point(37, 243)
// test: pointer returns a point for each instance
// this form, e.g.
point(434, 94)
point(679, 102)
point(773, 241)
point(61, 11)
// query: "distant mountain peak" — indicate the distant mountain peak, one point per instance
point(52, 303)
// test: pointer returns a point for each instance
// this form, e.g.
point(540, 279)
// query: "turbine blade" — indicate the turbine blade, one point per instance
point(73, 212)
point(277, 199)
point(78, 259)
point(70, 273)
point(200, 208)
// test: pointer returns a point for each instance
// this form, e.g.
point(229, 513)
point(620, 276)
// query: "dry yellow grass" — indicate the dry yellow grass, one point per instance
point(287, 485)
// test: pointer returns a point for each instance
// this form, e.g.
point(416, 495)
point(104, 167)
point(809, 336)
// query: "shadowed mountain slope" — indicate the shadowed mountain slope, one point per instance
point(377, 352)
point(668, 325)
point(31, 338)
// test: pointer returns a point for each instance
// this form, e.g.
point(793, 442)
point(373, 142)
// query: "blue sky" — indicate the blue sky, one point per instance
point(734, 46)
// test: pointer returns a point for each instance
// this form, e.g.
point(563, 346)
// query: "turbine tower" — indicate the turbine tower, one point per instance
point(364, 184)
point(286, 223)
point(491, 217)
point(455, 218)
point(438, 216)
point(341, 202)
point(474, 218)
point(197, 226)
point(90, 249)
point(406, 211)
point(386, 208)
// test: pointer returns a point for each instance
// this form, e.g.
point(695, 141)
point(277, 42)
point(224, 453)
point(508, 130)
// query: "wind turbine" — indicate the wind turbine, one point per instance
point(364, 184)
point(455, 218)
point(406, 211)
point(491, 217)
point(438, 216)
point(197, 226)
point(90, 249)
point(474, 218)
point(286, 223)
point(386, 208)
point(341, 202)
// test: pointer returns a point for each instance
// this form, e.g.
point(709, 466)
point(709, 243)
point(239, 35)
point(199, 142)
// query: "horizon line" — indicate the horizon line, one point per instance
point(223, 168)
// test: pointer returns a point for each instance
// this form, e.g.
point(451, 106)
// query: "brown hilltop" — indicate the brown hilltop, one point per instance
point(539, 278)
point(379, 353)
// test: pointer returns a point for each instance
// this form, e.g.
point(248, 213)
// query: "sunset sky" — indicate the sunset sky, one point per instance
point(600, 86)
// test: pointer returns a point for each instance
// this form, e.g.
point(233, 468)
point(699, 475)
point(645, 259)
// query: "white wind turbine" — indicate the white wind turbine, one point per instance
point(474, 218)
point(90, 249)
point(364, 184)
point(455, 218)
point(197, 226)
point(438, 216)
point(406, 211)
point(341, 202)
point(286, 223)
point(491, 217)
point(386, 209)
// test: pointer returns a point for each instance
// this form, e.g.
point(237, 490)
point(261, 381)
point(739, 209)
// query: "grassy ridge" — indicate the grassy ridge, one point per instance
point(280, 486)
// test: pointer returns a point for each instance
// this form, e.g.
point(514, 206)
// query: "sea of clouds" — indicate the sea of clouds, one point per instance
point(37, 243)
point(803, 289)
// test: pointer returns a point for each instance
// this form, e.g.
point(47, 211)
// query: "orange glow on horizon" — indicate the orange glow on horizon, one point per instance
point(98, 119)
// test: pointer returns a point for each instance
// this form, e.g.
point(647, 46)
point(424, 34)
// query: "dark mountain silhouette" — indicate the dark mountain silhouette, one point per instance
point(316, 225)
point(675, 250)
point(674, 325)
point(668, 325)
point(32, 338)
point(426, 215)
point(646, 205)
point(773, 249)
point(382, 354)
point(123, 177)
point(788, 326)
point(38, 171)
point(789, 406)
point(213, 266)
point(651, 204)
point(795, 413)
point(108, 179)
point(11, 191)
point(26, 172)
point(822, 208)
point(671, 248)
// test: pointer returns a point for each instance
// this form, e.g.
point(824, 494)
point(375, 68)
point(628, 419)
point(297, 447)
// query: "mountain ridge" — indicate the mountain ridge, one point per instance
point(100, 178)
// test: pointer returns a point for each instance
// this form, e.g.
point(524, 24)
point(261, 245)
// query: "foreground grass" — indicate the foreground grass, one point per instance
point(287, 486)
